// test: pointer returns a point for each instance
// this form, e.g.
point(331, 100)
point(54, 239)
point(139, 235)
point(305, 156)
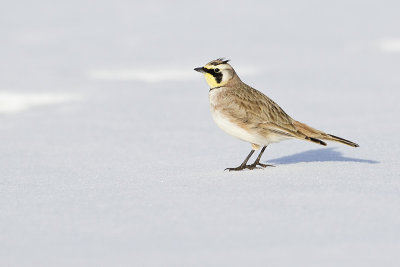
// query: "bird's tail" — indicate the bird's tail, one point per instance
point(341, 140)
point(314, 135)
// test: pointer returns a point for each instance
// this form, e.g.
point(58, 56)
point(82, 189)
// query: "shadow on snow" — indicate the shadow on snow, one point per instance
point(315, 155)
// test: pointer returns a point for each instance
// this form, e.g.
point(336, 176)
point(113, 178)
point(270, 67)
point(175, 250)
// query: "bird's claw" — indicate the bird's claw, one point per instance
point(250, 167)
point(265, 165)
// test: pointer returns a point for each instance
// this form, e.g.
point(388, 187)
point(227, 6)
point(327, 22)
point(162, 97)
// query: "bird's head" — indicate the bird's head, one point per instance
point(217, 72)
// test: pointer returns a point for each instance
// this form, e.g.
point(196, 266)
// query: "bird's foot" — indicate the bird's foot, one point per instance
point(240, 168)
point(250, 167)
point(262, 165)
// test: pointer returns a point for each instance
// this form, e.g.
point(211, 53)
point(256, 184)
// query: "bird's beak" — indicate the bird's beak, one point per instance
point(200, 69)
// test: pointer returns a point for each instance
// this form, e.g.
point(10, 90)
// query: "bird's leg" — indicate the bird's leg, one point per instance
point(243, 165)
point(257, 161)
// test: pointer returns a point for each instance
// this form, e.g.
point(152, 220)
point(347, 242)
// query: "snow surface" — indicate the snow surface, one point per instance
point(109, 156)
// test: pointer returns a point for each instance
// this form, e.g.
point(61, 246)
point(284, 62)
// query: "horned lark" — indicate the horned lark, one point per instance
point(251, 116)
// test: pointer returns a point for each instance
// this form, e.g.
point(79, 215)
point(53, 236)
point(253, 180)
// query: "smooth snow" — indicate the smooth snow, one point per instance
point(390, 45)
point(11, 102)
point(110, 157)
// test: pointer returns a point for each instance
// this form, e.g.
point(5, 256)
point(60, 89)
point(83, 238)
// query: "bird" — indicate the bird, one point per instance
point(249, 115)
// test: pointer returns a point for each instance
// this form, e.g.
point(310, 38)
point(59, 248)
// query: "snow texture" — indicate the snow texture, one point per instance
point(109, 156)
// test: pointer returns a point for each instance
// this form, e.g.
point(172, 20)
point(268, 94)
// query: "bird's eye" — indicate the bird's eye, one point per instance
point(216, 70)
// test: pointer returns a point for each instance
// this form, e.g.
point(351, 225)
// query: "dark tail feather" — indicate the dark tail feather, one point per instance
point(341, 140)
point(315, 140)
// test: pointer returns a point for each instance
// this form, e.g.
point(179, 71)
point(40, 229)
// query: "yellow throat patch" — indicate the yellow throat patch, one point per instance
point(211, 80)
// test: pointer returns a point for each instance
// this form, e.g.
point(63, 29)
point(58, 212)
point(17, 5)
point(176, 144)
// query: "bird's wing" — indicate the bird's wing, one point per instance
point(260, 109)
point(251, 108)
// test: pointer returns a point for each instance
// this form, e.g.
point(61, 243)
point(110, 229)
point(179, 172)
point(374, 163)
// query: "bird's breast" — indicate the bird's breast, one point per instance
point(225, 121)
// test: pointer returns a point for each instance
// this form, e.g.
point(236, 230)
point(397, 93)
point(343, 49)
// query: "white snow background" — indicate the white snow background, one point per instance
point(109, 156)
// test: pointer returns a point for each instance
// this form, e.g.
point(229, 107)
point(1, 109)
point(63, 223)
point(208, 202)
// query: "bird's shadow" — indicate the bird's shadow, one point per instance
point(315, 155)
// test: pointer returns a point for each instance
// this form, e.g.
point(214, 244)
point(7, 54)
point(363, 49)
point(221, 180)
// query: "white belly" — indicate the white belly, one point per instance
point(231, 128)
